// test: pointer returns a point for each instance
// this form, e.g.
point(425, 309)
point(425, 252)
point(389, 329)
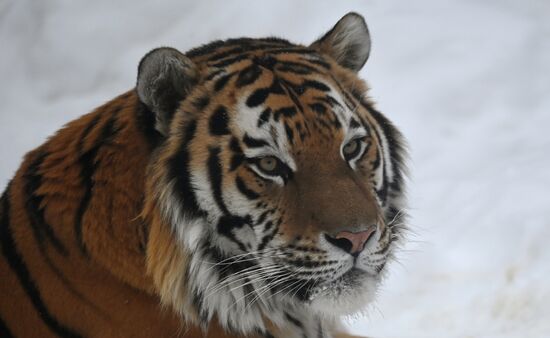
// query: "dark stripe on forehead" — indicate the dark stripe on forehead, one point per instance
point(295, 68)
point(291, 50)
point(229, 61)
point(264, 117)
point(316, 85)
point(292, 94)
point(219, 122)
point(258, 97)
point(286, 112)
point(319, 108)
point(331, 101)
point(201, 102)
point(222, 82)
point(319, 62)
point(252, 142)
point(248, 75)
point(236, 46)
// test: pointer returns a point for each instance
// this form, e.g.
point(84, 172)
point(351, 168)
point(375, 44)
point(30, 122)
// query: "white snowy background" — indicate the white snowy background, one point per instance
point(468, 83)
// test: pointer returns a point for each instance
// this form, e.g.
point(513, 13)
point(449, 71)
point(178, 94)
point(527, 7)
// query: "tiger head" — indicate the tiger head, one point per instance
point(278, 187)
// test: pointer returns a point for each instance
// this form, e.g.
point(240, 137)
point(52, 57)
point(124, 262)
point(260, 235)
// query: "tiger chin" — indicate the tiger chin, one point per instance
point(245, 188)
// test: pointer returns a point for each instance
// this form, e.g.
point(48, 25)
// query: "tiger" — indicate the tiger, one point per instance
point(245, 188)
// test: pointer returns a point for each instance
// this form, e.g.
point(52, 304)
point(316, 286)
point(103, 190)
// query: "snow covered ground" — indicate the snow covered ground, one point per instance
point(468, 82)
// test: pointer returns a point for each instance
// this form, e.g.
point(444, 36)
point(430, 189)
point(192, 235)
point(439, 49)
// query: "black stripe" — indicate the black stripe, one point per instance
point(292, 50)
point(292, 93)
point(41, 229)
point(289, 133)
point(240, 43)
point(205, 49)
point(249, 193)
point(316, 85)
point(216, 176)
point(294, 321)
point(319, 108)
point(268, 226)
point(226, 224)
point(396, 149)
point(266, 61)
point(199, 306)
point(258, 97)
point(222, 82)
point(300, 66)
point(265, 334)
point(248, 75)
point(262, 217)
point(236, 161)
point(145, 120)
point(15, 261)
point(264, 117)
point(213, 74)
point(285, 111)
point(218, 123)
point(229, 61)
point(277, 87)
point(252, 142)
point(238, 156)
point(201, 102)
point(4, 330)
point(89, 165)
point(396, 152)
point(295, 68)
point(180, 172)
point(267, 238)
point(319, 62)
point(376, 163)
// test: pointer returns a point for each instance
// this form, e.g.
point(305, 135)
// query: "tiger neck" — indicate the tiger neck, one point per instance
point(114, 152)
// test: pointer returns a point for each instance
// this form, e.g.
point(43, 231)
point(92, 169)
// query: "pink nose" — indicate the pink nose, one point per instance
point(357, 239)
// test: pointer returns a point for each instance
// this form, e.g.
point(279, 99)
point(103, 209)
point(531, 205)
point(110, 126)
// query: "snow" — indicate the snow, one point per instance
point(467, 82)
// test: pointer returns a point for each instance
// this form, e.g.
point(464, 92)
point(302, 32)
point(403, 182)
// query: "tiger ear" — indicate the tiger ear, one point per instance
point(348, 42)
point(165, 77)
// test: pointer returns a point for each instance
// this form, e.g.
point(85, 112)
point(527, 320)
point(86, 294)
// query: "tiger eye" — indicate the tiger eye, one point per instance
point(268, 163)
point(351, 148)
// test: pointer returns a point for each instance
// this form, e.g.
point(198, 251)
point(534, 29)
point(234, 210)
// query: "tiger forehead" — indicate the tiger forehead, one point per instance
point(292, 89)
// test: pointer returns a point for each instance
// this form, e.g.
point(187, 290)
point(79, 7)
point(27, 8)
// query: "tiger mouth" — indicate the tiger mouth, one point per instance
point(312, 289)
point(348, 281)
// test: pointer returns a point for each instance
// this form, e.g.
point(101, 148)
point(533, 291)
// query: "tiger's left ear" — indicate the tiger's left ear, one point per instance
point(348, 42)
point(165, 77)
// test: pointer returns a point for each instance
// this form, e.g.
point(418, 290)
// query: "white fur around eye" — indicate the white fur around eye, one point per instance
point(353, 161)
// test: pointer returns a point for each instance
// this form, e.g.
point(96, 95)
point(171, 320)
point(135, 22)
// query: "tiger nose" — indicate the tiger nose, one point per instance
point(351, 242)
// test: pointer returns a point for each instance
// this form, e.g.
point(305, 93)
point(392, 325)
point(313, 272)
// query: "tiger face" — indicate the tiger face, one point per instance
point(281, 183)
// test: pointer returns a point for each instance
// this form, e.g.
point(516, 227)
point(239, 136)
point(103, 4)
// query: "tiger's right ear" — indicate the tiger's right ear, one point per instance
point(165, 77)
